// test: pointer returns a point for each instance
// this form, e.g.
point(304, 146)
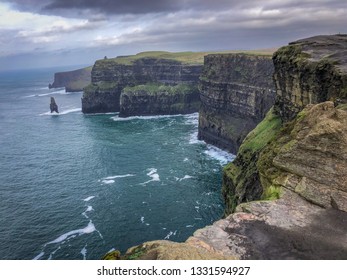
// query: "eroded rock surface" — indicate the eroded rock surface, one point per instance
point(236, 92)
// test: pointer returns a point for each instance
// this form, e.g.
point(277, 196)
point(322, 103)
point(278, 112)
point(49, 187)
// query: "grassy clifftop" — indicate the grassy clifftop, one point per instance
point(183, 57)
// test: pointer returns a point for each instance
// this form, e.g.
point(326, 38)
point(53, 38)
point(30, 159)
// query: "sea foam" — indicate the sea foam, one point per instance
point(110, 179)
point(222, 156)
point(88, 229)
point(64, 112)
point(88, 198)
point(153, 174)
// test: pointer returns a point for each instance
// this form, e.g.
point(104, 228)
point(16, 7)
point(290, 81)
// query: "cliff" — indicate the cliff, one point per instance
point(310, 71)
point(72, 80)
point(236, 92)
point(258, 168)
point(286, 191)
point(111, 76)
point(159, 99)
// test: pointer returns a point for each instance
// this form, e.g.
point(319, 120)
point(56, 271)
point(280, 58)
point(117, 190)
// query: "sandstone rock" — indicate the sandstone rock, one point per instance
point(168, 250)
point(287, 228)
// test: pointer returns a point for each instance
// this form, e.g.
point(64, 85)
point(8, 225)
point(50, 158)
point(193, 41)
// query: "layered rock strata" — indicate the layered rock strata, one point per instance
point(110, 77)
point(147, 100)
point(311, 70)
point(236, 92)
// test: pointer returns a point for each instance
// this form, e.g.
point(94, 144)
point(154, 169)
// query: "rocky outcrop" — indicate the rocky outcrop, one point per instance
point(287, 228)
point(310, 70)
point(111, 76)
point(154, 99)
point(72, 80)
point(53, 106)
point(236, 92)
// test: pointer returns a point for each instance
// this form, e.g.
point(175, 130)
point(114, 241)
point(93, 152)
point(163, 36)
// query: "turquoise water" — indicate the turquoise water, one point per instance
point(75, 186)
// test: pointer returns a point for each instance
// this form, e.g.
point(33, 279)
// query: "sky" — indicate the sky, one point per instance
point(47, 33)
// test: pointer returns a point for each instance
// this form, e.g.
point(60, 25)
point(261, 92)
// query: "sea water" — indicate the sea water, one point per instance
point(75, 186)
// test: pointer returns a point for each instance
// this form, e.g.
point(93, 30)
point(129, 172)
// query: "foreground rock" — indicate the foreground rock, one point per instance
point(287, 228)
point(236, 92)
point(166, 250)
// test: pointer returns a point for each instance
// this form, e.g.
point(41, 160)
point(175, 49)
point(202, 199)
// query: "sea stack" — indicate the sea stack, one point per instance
point(53, 106)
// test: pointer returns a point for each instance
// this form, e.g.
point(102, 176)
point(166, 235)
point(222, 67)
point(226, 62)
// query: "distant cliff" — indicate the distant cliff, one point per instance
point(236, 92)
point(111, 76)
point(72, 80)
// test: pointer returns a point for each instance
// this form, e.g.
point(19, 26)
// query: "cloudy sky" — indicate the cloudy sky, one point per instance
point(42, 33)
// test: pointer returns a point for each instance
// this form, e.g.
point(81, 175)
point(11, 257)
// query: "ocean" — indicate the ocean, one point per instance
point(76, 186)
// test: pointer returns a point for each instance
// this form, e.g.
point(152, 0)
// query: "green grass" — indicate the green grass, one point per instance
point(265, 131)
point(155, 88)
point(183, 57)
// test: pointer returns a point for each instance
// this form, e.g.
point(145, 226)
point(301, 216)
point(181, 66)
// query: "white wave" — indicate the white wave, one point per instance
point(171, 233)
point(168, 235)
point(147, 224)
point(107, 182)
point(110, 179)
point(222, 156)
point(117, 118)
point(185, 177)
point(99, 114)
point(189, 226)
point(88, 198)
point(60, 91)
point(64, 112)
point(153, 174)
point(39, 256)
point(53, 253)
point(84, 252)
point(186, 159)
point(89, 209)
point(192, 119)
point(88, 229)
point(113, 249)
point(193, 138)
point(118, 176)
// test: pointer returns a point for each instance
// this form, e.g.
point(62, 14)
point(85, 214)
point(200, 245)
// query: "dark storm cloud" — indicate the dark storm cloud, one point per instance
point(117, 7)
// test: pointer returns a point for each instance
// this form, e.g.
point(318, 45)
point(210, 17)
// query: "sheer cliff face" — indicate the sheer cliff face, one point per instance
point(295, 150)
point(236, 92)
point(109, 78)
point(72, 80)
point(150, 100)
point(310, 71)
